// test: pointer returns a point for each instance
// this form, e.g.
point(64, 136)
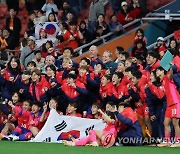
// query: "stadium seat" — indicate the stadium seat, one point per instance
point(23, 29)
point(3, 11)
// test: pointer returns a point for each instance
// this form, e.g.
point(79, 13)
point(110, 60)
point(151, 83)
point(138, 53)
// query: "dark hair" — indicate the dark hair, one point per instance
point(108, 76)
point(31, 63)
point(111, 103)
point(130, 69)
point(97, 104)
point(141, 30)
point(17, 70)
point(69, 48)
point(111, 114)
point(119, 74)
point(36, 71)
point(124, 104)
point(120, 49)
point(65, 25)
point(87, 60)
point(73, 76)
point(126, 54)
point(161, 69)
point(102, 65)
point(52, 67)
point(31, 12)
point(37, 104)
point(85, 68)
point(60, 38)
point(53, 15)
point(74, 69)
point(173, 51)
point(74, 104)
point(153, 54)
point(137, 74)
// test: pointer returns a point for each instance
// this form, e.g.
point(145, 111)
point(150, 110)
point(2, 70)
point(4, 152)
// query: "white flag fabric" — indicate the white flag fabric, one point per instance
point(51, 29)
point(58, 126)
point(39, 43)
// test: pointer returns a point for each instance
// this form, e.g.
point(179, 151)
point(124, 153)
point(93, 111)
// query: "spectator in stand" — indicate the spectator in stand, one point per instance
point(96, 8)
point(13, 25)
point(42, 34)
point(10, 75)
point(67, 53)
point(98, 32)
point(31, 26)
point(49, 7)
point(9, 40)
point(87, 36)
point(140, 50)
point(101, 22)
point(75, 36)
point(49, 60)
point(13, 4)
point(115, 5)
point(81, 5)
point(59, 45)
point(40, 17)
point(126, 15)
point(139, 35)
point(70, 17)
point(27, 53)
point(173, 44)
point(107, 61)
point(67, 8)
point(30, 5)
point(75, 6)
point(31, 66)
point(52, 17)
point(160, 46)
point(115, 26)
point(93, 54)
point(136, 8)
point(45, 47)
point(38, 59)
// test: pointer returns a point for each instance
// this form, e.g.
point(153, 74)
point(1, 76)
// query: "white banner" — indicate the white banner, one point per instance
point(58, 127)
point(39, 43)
point(51, 29)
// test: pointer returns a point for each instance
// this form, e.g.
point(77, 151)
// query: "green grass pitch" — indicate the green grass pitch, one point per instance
point(7, 147)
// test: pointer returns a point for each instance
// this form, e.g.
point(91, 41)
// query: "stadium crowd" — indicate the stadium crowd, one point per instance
point(134, 95)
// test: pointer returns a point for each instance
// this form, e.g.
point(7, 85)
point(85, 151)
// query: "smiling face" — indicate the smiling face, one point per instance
point(104, 81)
point(106, 57)
point(13, 63)
point(15, 98)
point(35, 108)
point(50, 72)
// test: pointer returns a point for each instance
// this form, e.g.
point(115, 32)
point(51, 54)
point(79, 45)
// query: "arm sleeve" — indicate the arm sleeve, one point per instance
point(123, 119)
point(81, 90)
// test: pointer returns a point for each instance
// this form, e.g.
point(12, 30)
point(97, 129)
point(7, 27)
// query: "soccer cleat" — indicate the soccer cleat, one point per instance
point(13, 137)
point(175, 145)
point(164, 144)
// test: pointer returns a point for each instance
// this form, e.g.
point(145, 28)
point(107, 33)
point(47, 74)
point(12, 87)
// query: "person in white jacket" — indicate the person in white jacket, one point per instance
point(49, 7)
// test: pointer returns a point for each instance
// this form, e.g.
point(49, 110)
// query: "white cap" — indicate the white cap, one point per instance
point(32, 38)
point(160, 38)
point(124, 3)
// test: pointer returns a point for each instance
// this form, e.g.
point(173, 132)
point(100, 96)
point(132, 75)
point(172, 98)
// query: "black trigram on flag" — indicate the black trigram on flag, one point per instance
point(60, 126)
point(48, 139)
point(88, 129)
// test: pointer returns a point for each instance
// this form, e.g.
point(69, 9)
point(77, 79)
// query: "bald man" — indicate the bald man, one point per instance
point(93, 54)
